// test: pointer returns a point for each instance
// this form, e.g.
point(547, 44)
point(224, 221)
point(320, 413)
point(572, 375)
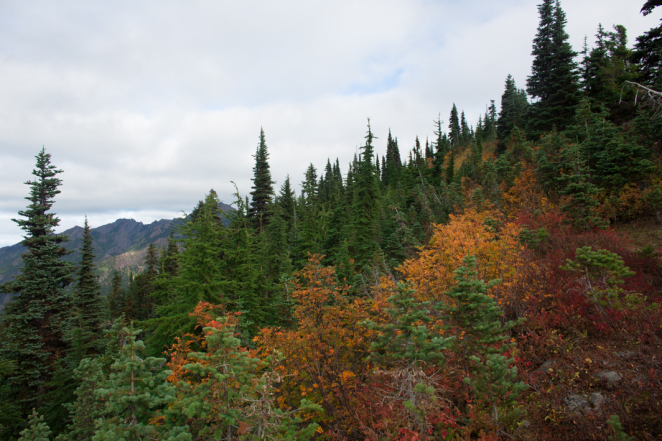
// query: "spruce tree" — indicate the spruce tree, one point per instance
point(87, 297)
point(262, 187)
point(392, 165)
point(465, 133)
point(454, 131)
point(37, 429)
point(37, 319)
point(135, 392)
point(554, 77)
point(647, 54)
point(514, 107)
point(441, 148)
point(365, 208)
point(286, 200)
point(171, 263)
point(115, 297)
point(475, 317)
point(405, 343)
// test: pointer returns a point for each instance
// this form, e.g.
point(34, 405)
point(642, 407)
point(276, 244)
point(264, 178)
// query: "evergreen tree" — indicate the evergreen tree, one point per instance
point(135, 392)
point(475, 316)
point(576, 184)
point(454, 131)
point(450, 170)
point(262, 187)
point(37, 319)
point(391, 169)
point(465, 133)
point(37, 429)
point(554, 78)
point(514, 107)
point(286, 200)
point(171, 266)
point(10, 415)
point(115, 297)
point(647, 54)
point(441, 148)
point(87, 297)
point(405, 343)
point(365, 207)
point(200, 276)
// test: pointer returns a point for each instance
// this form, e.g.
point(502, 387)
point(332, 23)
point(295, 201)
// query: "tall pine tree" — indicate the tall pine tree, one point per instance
point(36, 321)
point(262, 187)
point(554, 78)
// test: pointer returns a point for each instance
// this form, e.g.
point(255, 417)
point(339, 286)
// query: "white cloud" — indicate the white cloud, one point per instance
point(146, 106)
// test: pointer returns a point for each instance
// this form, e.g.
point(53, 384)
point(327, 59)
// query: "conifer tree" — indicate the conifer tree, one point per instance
point(10, 415)
point(365, 208)
point(454, 131)
point(554, 78)
point(286, 200)
point(135, 392)
point(441, 148)
point(200, 276)
point(37, 319)
point(647, 53)
point(465, 133)
point(171, 266)
point(87, 297)
point(406, 344)
point(37, 429)
point(577, 185)
point(514, 107)
point(450, 170)
point(115, 297)
point(262, 185)
point(475, 316)
point(391, 169)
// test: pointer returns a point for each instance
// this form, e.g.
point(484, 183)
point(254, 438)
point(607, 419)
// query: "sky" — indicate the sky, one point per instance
point(148, 105)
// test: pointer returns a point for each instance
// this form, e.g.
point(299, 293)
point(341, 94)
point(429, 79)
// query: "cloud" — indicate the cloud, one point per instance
point(146, 106)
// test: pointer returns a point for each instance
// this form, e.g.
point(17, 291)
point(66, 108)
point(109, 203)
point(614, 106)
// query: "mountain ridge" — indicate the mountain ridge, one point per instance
point(120, 245)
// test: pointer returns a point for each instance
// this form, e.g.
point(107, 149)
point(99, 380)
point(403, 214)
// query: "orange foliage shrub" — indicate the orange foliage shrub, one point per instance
point(525, 195)
point(325, 358)
point(498, 252)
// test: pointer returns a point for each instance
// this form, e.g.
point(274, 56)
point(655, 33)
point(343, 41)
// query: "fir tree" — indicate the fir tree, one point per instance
point(364, 210)
point(200, 276)
point(286, 200)
point(405, 343)
point(647, 54)
point(37, 429)
point(37, 319)
point(554, 77)
point(171, 266)
point(450, 170)
point(475, 316)
point(115, 297)
point(454, 131)
point(441, 148)
point(465, 133)
point(10, 415)
point(514, 107)
point(262, 187)
point(576, 184)
point(391, 169)
point(87, 296)
point(135, 392)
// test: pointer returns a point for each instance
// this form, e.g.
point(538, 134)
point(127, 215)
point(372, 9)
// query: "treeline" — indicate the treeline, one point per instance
point(412, 297)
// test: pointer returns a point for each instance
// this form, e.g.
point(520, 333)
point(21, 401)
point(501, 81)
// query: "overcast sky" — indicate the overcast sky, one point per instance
point(147, 105)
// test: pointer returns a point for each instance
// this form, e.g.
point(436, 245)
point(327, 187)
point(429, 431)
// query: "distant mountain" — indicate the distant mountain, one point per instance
point(121, 246)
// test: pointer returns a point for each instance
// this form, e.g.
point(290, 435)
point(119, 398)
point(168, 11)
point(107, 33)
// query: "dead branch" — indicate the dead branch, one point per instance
point(653, 95)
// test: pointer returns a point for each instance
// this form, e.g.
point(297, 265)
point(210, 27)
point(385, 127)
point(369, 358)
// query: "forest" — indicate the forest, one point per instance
point(500, 281)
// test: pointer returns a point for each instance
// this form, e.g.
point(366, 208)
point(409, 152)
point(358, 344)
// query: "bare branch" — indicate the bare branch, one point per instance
point(652, 95)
